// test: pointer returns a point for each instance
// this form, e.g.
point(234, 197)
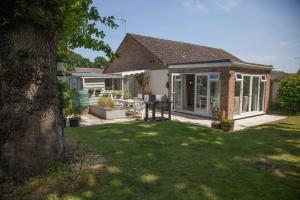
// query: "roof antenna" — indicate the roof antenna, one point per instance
point(123, 21)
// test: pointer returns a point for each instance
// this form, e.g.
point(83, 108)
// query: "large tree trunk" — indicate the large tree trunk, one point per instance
point(31, 132)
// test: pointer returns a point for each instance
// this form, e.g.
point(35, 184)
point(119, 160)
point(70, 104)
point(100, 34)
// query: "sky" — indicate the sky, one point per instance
point(258, 31)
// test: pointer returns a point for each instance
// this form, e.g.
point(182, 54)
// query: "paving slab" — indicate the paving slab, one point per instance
point(257, 120)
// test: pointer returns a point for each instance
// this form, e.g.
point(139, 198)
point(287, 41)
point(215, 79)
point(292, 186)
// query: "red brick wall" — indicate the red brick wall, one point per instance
point(133, 56)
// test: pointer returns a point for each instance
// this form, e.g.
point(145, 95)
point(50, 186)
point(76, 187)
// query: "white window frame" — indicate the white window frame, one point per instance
point(238, 79)
point(249, 113)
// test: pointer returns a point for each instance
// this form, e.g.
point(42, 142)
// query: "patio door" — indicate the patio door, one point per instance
point(177, 90)
point(201, 96)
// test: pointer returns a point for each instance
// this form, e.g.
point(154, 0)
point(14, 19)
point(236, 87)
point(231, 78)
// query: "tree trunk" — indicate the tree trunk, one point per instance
point(31, 128)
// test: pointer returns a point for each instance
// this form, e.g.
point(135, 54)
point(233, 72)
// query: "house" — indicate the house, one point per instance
point(92, 82)
point(196, 78)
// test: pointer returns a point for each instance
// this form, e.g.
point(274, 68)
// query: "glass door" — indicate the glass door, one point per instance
point(177, 91)
point(201, 93)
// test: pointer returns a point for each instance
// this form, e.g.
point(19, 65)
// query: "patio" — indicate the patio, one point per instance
point(89, 120)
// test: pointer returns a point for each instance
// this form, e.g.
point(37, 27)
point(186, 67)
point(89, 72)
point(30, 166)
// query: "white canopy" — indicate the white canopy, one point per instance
point(133, 72)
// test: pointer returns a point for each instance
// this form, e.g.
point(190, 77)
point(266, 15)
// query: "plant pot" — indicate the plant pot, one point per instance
point(227, 127)
point(74, 121)
point(216, 125)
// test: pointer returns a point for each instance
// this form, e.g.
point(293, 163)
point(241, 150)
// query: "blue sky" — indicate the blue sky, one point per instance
point(260, 31)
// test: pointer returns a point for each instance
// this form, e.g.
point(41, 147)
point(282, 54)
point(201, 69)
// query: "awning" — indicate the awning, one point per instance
point(133, 72)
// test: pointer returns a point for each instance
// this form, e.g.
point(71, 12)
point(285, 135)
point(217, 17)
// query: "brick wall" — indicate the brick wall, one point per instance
point(133, 56)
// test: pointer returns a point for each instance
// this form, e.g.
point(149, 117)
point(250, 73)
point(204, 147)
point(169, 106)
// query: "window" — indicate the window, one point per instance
point(117, 84)
point(108, 84)
point(214, 76)
point(249, 93)
point(238, 77)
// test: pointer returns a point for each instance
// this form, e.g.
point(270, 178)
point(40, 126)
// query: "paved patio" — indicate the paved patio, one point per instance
point(89, 120)
point(239, 124)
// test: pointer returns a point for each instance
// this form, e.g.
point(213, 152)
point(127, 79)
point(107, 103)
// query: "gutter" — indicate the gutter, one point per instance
point(218, 63)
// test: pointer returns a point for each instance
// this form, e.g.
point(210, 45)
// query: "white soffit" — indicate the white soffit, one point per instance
point(200, 65)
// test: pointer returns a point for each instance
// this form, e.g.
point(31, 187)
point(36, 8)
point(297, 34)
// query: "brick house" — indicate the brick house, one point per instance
point(196, 78)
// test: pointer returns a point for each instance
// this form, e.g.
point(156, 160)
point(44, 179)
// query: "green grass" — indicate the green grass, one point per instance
point(173, 160)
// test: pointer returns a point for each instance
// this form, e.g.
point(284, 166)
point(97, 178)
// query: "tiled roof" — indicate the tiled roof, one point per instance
point(87, 70)
point(173, 52)
point(277, 75)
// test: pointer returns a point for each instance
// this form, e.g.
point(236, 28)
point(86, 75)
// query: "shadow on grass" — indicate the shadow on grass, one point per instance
point(173, 160)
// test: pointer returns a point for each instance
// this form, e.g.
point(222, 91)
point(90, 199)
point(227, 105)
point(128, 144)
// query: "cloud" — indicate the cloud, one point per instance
point(226, 5)
point(193, 4)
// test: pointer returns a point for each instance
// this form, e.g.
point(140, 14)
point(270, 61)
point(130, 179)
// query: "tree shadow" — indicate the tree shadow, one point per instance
point(183, 161)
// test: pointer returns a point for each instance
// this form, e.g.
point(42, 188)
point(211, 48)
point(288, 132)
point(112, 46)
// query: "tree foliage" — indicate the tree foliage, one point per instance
point(100, 62)
point(74, 22)
point(289, 93)
point(72, 59)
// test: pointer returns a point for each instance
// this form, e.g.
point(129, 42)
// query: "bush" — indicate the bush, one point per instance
point(275, 106)
point(225, 121)
point(289, 93)
point(107, 103)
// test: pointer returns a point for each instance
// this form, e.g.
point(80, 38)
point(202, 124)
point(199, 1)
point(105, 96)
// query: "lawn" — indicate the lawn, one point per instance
point(173, 160)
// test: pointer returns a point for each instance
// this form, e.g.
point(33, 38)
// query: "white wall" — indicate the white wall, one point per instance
point(158, 80)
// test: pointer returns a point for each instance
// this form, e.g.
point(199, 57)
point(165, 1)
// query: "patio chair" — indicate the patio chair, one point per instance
point(139, 107)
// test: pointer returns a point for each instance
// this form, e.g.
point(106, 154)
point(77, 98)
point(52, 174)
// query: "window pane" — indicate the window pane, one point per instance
point(246, 89)
point(214, 93)
point(117, 84)
point(214, 76)
point(108, 84)
point(237, 92)
point(254, 101)
point(201, 93)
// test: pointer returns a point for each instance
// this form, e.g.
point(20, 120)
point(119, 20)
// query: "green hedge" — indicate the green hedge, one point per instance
point(289, 93)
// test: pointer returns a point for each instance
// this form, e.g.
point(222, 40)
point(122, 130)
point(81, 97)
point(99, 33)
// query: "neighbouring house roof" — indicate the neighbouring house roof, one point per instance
point(92, 73)
point(171, 52)
point(277, 75)
point(87, 70)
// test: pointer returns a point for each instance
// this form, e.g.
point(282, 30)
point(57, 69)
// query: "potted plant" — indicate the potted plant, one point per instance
point(227, 124)
point(75, 116)
point(215, 113)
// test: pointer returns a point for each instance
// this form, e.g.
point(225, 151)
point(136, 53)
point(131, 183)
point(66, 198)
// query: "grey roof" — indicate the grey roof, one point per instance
point(96, 75)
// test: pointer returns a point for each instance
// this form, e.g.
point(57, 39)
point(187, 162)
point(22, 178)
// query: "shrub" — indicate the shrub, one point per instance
point(225, 121)
point(275, 106)
point(289, 93)
point(107, 103)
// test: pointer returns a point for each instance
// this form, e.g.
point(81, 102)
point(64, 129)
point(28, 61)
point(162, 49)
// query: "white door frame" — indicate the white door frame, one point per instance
point(173, 92)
